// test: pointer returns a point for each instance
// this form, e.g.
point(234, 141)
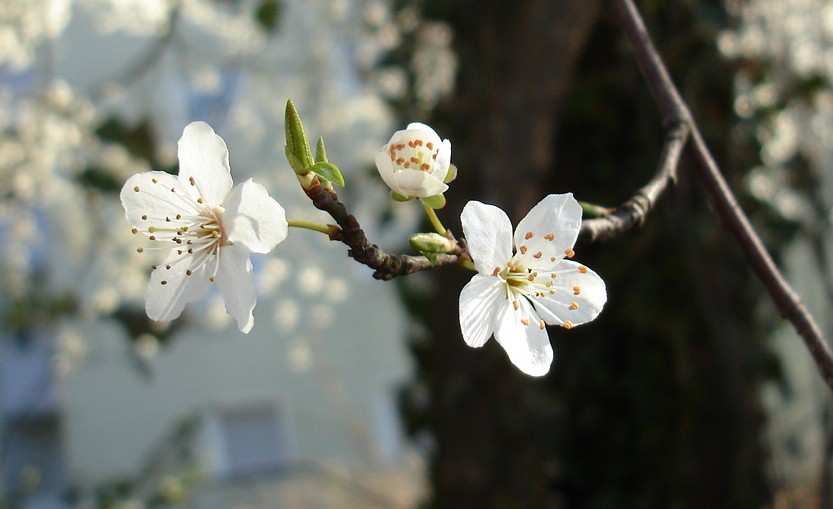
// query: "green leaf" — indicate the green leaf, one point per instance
point(320, 151)
point(435, 202)
point(399, 197)
point(296, 138)
point(328, 172)
point(296, 165)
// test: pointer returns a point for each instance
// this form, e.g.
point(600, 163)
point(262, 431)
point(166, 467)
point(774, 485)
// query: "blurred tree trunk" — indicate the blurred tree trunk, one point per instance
point(517, 62)
point(656, 403)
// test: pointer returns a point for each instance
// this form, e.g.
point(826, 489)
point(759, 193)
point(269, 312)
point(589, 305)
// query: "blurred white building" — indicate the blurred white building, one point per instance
point(299, 413)
point(304, 414)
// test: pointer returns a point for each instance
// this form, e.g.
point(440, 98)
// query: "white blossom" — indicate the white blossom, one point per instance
point(415, 162)
point(516, 294)
point(210, 228)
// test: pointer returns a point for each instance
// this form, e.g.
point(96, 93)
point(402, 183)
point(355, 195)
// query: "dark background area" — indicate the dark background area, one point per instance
point(656, 403)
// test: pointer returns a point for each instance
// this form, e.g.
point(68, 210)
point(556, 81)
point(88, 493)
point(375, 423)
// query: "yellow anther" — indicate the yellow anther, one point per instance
point(576, 290)
point(541, 324)
point(523, 249)
point(515, 305)
point(528, 235)
point(567, 324)
point(569, 253)
point(573, 306)
point(549, 236)
point(525, 321)
point(582, 269)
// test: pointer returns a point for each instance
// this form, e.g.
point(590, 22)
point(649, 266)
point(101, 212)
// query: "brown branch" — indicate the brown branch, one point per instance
point(633, 212)
point(386, 266)
point(674, 109)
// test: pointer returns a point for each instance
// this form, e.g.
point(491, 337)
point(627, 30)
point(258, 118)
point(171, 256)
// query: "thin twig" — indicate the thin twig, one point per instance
point(634, 211)
point(386, 266)
point(674, 109)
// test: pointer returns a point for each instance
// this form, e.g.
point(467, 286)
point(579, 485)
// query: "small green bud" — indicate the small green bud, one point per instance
point(431, 243)
point(296, 139)
point(593, 210)
point(320, 151)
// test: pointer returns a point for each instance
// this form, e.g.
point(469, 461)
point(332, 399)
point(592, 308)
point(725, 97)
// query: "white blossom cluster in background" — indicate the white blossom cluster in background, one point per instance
point(793, 42)
point(26, 24)
point(70, 65)
point(787, 90)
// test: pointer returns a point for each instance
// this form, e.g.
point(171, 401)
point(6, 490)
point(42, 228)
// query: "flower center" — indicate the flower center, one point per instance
point(202, 232)
point(207, 231)
point(417, 154)
point(523, 281)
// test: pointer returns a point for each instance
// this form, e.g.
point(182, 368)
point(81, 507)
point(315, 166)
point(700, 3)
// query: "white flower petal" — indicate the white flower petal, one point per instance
point(548, 230)
point(488, 233)
point(579, 297)
point(480, 300)
point(385, 167)
point(427, 132)
point(253, 218)
point(235, 280)
point(148, 200)
point(443, 160)
point(203, 157)
point(528, 346)
point(170, 288)
point(416, 183)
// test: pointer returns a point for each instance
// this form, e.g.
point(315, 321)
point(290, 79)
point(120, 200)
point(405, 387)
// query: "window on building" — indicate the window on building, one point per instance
point(252, 441)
